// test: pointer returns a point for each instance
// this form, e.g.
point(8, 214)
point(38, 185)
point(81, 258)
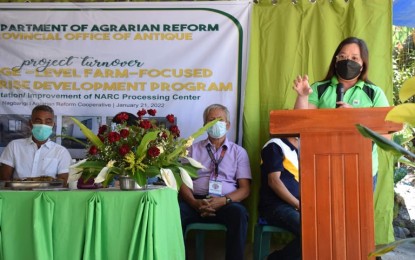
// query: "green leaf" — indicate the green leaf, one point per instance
point(73, 139)
point(93, 164)
point(195, 135)
point(179, 181)
point(152, 171)
point(177, 151)
point(406, 161)
point(383, 142)
point(407, 90)
point(147, 138)
point(174, 169)
point(203, 129)
point(116, 170)
point(94, 167)
point(89, 134)
point(108, 180)
point(192, 171)
point(140, 178)
point(402, 140)
point(383, 249)
point(404, 113)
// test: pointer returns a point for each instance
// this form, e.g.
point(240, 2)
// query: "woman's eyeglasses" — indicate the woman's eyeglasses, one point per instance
point(345, 57)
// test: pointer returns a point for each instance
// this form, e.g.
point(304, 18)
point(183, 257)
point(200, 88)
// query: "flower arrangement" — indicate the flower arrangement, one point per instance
point(141, 150)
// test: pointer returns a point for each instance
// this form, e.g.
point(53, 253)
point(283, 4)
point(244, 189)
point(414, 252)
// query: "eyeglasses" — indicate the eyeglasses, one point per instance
point(345, 57)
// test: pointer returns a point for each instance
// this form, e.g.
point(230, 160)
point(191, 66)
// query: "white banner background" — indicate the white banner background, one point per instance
point(95, 60)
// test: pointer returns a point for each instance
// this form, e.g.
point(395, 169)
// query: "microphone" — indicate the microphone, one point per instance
point(340, 93)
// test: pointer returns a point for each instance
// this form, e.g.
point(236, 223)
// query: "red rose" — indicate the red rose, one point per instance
point(141, 113)
point(145, 124)
point(102, 129)
point(124, 133)
point(121, 118)
point(101, 137)
point(152, 112)
point(174, 129)
point(170, 118)
point(124, 149)
point(153, 152)
point(113, 137)
point(93, 150)
point(164, 135)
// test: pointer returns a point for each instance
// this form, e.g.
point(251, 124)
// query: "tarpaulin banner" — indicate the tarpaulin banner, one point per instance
point(93, 60)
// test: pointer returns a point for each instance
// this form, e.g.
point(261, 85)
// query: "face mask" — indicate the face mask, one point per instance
point(348, 69)
point(217, 130)
point(41, 132)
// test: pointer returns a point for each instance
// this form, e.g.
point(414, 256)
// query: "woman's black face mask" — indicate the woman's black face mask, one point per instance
point(348, 69)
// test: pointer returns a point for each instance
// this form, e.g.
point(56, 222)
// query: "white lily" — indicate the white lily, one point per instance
point(186, 178)
point(195, 163)
point(161, 149)
point(168, 178)
point(111, 163)
point(75, 172)
point(102, 175)
point(77, 164)
point(74, 175)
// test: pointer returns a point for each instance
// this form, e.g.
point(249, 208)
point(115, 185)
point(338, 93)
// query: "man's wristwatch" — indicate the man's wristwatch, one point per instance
point(228, 200)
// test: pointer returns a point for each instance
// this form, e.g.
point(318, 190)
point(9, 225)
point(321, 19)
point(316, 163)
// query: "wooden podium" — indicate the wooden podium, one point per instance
point(335, 177)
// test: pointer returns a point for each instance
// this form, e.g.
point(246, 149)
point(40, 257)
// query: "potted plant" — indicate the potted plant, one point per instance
point(140, 150)
point(403, 113)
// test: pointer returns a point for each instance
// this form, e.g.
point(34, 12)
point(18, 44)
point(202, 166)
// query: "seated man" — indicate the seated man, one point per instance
point(220, 188)
point(280, 192)
point(37, 155)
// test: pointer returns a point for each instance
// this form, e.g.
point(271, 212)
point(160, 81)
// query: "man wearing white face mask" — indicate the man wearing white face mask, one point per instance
point(220, 187)
point(37, 155)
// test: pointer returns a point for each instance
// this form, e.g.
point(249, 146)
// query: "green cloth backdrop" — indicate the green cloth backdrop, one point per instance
point(290, 39)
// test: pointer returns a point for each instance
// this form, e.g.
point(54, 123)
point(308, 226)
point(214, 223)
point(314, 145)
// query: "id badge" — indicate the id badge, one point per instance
point(215, 188)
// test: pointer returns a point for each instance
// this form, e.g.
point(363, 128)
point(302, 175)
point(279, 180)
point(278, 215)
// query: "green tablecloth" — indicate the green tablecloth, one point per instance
point(85, 224)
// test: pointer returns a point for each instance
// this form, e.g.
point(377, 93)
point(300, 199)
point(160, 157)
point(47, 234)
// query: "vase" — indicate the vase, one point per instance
point(88, 184)
point(128, 183)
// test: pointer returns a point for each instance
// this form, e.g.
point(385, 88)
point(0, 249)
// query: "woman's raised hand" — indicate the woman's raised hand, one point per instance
point(301, 86)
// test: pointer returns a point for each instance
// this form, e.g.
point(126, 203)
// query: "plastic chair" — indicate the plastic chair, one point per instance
point(262, 239)
point(200, 229)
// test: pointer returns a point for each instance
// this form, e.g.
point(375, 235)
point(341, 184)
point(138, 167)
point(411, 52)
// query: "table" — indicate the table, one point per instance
point(90, 224)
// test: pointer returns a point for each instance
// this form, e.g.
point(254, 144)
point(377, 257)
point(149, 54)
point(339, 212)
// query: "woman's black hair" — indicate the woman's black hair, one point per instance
point(364, 54)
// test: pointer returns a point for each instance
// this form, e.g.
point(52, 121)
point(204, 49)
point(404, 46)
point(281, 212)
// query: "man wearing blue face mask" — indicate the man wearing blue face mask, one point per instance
point(37, 155)
point(220, 187)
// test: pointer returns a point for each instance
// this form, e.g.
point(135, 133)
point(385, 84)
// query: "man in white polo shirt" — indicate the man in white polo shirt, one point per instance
point(36, 155)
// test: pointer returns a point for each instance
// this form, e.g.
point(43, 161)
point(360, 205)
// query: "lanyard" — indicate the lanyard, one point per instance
point(212, 157)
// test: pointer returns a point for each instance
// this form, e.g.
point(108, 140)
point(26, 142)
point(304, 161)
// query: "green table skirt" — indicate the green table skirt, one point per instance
point(85, 224)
